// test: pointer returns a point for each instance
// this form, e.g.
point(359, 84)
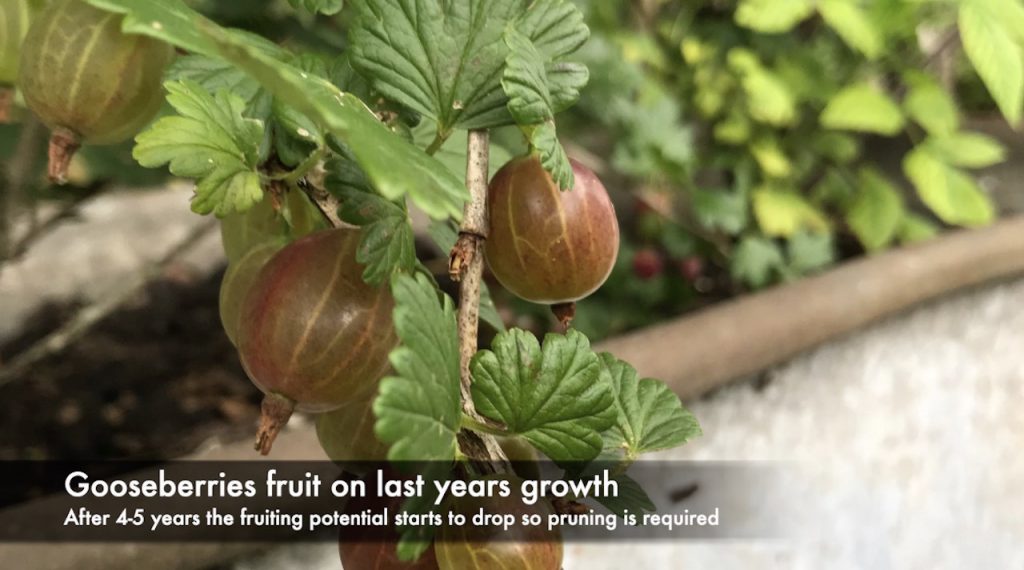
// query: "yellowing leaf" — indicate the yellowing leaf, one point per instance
point(851, 22)
point(930, 106)
point(782, 213)
point(771, 159)
point(995, 55)
point(772, 16)
point(969, 150)
point(768, 98)
point(863, 108)
point(951, 194)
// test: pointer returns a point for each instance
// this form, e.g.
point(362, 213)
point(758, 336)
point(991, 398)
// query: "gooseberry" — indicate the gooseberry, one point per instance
point(272, 219)
point(16, 16)
point(238, 278)
point(346, 435)
point(648, 263)
point(522, 454)
point(312, 335)
point(87, 80)
point(545, 245)
point(521, 547)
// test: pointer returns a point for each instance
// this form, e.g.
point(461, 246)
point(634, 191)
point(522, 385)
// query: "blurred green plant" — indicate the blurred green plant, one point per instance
point(758, 117)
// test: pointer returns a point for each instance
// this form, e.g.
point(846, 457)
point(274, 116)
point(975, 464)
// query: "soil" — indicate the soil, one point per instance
point(154, 380)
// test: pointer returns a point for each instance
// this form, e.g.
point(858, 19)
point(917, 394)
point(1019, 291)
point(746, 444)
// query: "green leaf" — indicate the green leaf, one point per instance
point(863, 108)
point(544, 141)
point(995, 56)
point(631, 498)
point(877, 212)
point(782, 213)
point(756, 261)
point(327, 7)
point(175, 23)
point(810, 252)
point(387, 245)
point(208, 140)
point(969, 150)
point(215, 74)
point(551, 29)
point(556, 397)
point(916, 229)
point(838, 147)
point(532, 106)
point(650, 415)
point(772, 16)
point(770, 157)
point(394, 166)
point(445, 59)
point(952, 195)
point(769, 99)
point(930, 106)
point(852, 23)
point(1010, 13)
point(721, 209)
point(419, 410)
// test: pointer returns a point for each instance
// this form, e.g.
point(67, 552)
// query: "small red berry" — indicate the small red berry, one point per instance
point(691, 268)
point(648, 263)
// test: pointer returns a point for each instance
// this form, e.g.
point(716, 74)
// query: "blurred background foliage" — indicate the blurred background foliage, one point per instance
point(746, 143)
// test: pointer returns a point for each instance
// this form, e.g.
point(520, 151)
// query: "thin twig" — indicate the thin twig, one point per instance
point(90, 315)
point(466, 267)
point(68, 210)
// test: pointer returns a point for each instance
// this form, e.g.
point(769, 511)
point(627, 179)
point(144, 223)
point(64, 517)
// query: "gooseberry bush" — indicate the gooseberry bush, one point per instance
point(312, 159)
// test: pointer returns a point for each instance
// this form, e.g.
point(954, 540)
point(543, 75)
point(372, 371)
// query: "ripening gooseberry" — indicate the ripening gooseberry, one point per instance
point(312, 334)
point(545, 245)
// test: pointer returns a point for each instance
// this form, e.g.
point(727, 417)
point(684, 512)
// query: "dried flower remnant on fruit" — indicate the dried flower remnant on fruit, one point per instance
point(87, 80)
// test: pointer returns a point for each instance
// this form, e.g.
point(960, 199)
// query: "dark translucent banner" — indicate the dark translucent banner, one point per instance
point(192, 501)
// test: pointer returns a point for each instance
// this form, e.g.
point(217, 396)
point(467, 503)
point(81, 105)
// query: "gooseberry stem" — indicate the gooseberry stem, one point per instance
point(466, 266)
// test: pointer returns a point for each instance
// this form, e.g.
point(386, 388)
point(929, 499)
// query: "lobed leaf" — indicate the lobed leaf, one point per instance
point(419, 410)
point(387, 245)
point(208, 140)
point(556, 397)
point(650, 416)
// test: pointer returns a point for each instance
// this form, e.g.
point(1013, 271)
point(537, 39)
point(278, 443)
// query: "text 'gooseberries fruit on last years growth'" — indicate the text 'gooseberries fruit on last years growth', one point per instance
point(312, 160)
